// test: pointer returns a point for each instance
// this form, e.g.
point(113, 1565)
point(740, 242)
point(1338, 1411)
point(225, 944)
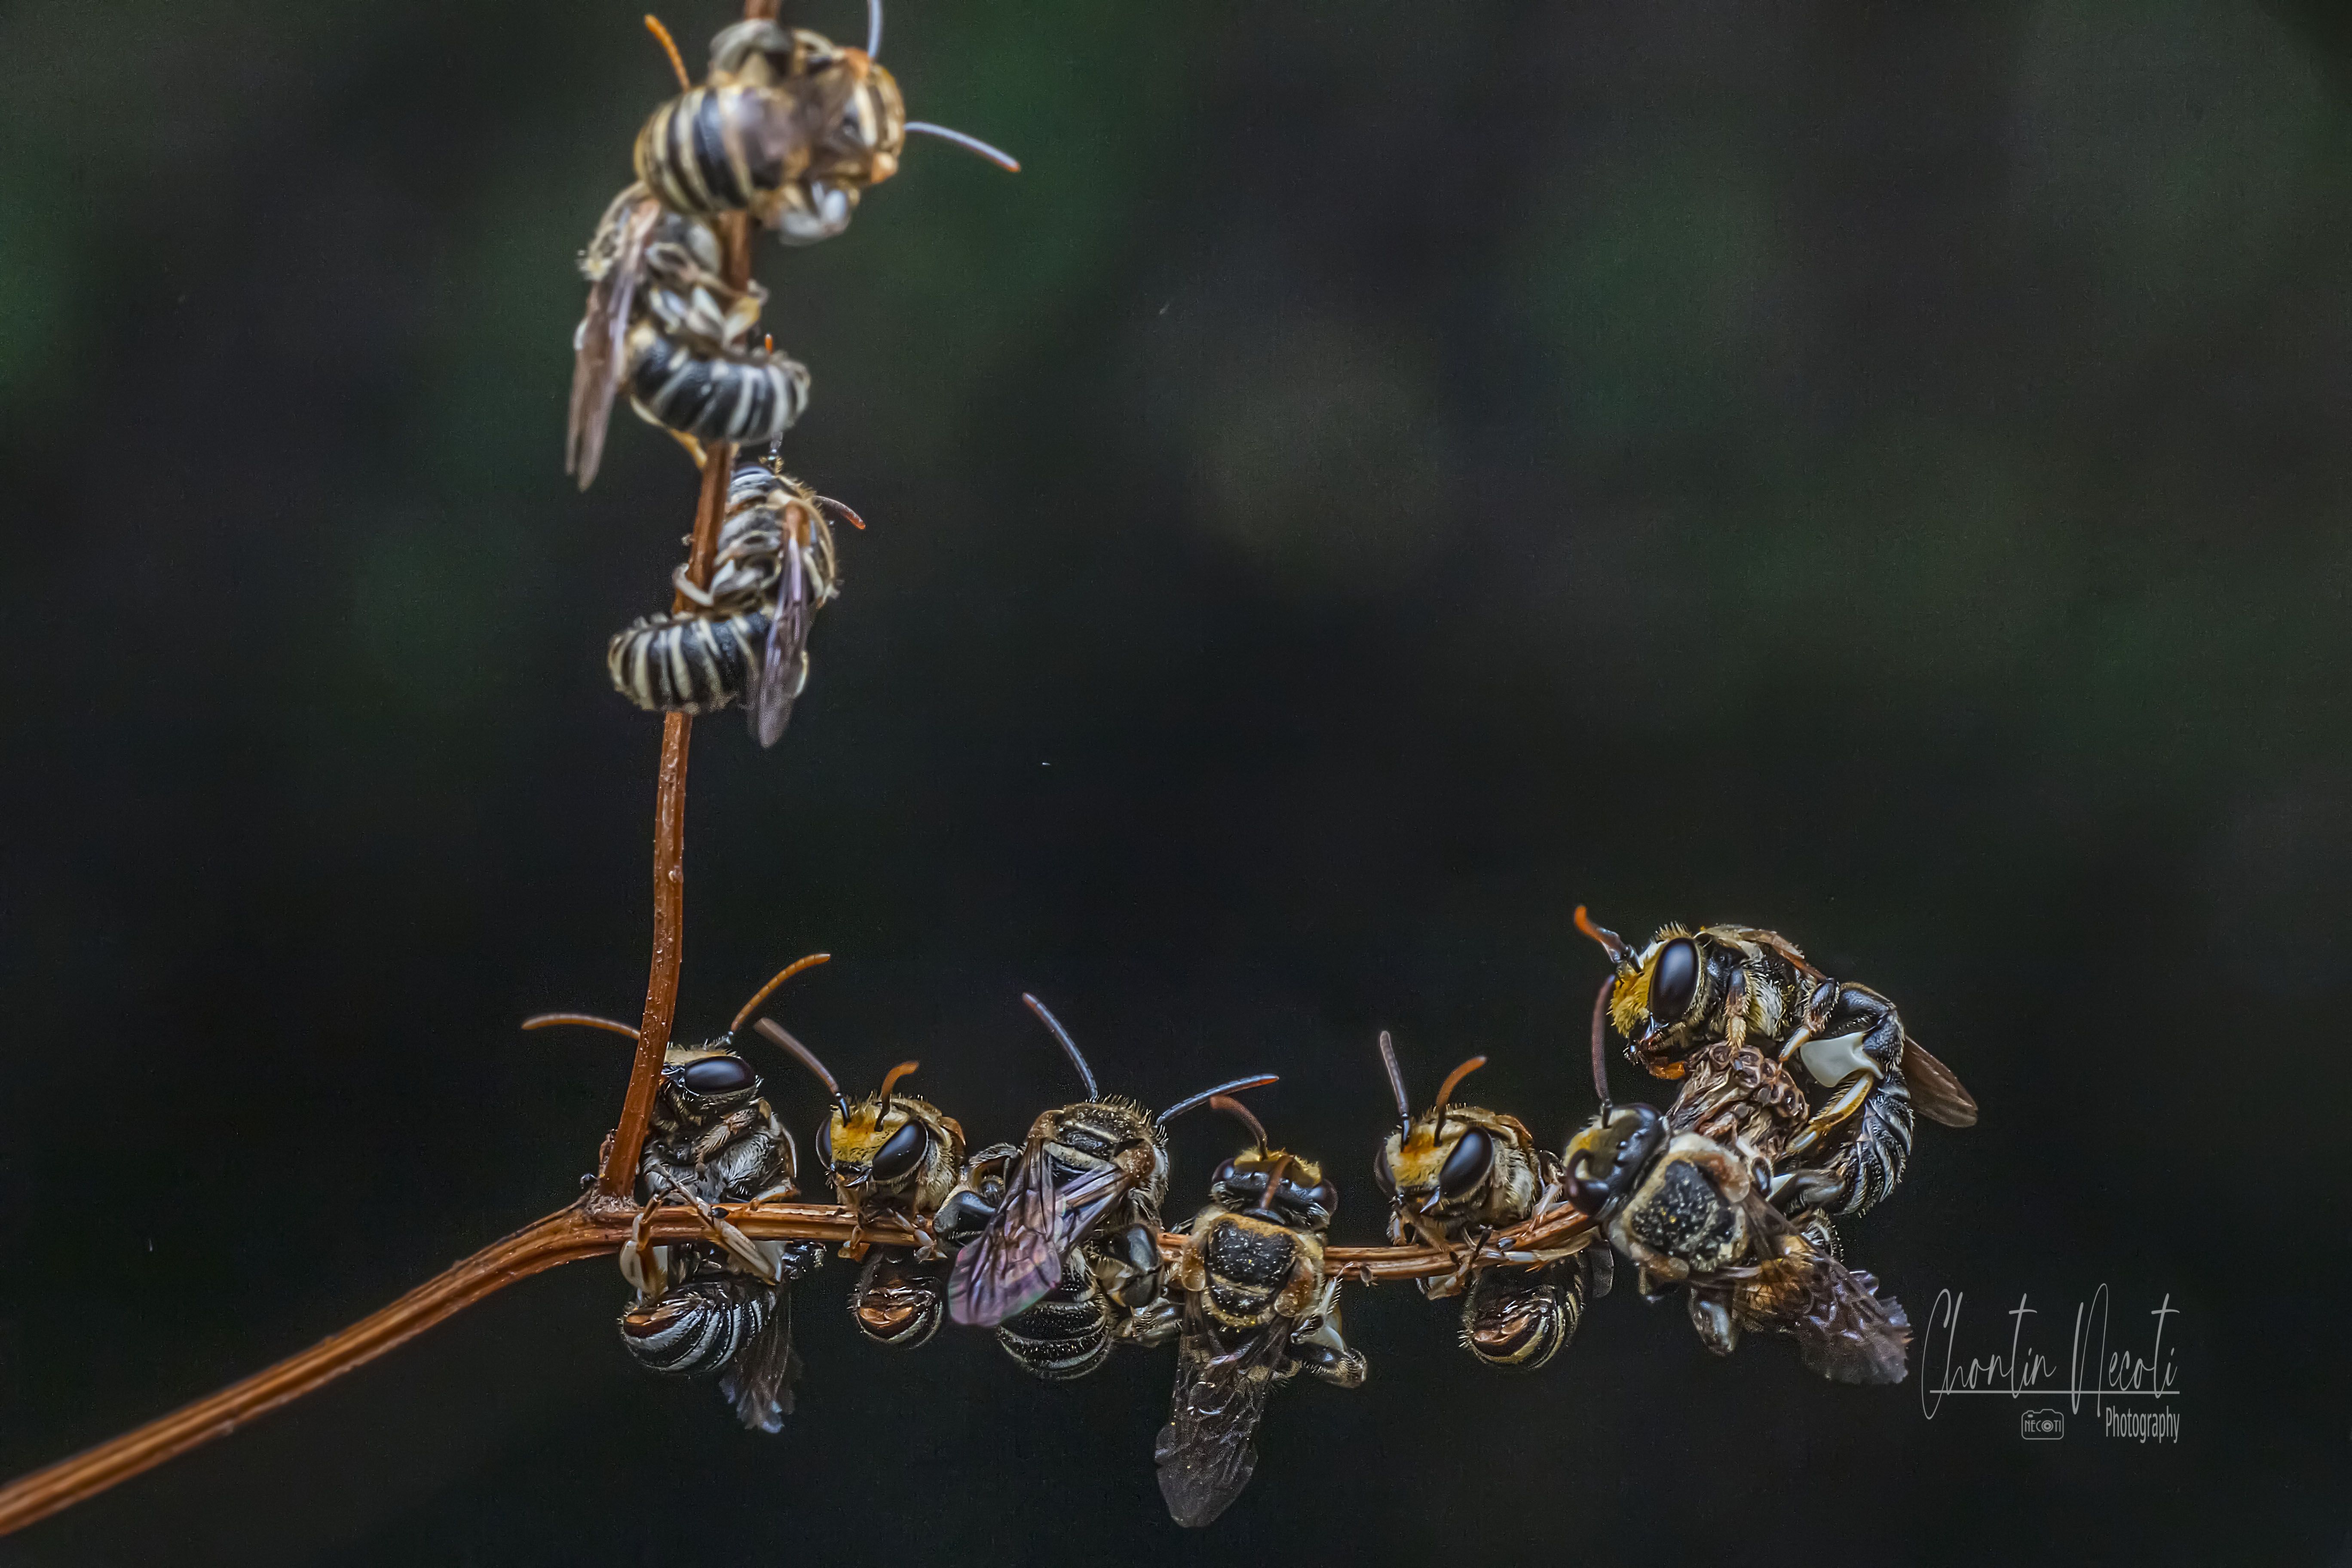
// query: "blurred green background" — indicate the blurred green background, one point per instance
point(1380, 475)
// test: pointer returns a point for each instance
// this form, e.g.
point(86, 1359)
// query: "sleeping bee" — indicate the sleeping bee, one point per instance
point(1068, 1260)
point(893, 1158)
point(788, 127)
point(1457, 1173)
point(722, 1306)
point(662, 319)
point(1687, 1210)
point(1690, 1005)
point(1258, 1308)
point(746, 633)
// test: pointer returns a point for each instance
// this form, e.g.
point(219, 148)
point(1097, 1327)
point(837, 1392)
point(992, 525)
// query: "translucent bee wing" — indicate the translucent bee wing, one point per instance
point(1018, 1259)
point(783, 664)
point(1936, 1091)
point(758, 1383)
point(1206, 1454)
point(598, 355)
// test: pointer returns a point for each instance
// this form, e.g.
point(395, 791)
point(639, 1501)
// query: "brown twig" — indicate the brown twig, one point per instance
point(584, 1231)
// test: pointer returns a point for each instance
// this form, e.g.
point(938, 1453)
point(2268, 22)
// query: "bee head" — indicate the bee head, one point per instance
point(882, 1143)
point(1271, 1183)
point(1607, 1158)
point(1435, 1160)
point(703, 1083)
point(1657, 990)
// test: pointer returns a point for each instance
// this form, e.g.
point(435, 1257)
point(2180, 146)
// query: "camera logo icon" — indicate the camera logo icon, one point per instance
point(2042, 1425)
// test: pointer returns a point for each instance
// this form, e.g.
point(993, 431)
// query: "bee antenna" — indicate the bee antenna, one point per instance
point(996, 155)
point(872, 29)
point(889, 1081)
point(778, 1033)
point(1446, 1090)
point(841, 511)
point(1086, 1073)
point(764, 992)
point(1193, 1103)
point(669, 47)
point(1620, 957)
point(1242, 1114)
point(586, 1020)
point(1396, 1078)
point(1601, 1045)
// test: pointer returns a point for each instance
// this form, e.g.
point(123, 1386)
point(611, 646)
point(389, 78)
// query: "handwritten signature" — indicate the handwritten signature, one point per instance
point(2123, 1374)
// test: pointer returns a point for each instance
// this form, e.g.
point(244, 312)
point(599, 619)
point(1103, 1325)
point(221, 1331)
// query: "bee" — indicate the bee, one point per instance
point(1069, 1260)
point(1458, 1173)
point(895, 1158)
point(1687, 1210)
point(788, 127)
point(662, 319)
point(748, 630)
point(1690, 1002)
point(722, 1306)
point(1258, 1308)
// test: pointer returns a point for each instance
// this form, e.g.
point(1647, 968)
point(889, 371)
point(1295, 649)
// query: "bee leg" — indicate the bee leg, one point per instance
point(693, 447)
point(1326, 1356)
point(1711, 1316)
point(1842, 1104)
point(645, 1267)
point(758, 1259)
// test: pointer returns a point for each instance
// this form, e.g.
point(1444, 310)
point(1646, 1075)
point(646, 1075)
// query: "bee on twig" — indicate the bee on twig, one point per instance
point(1068, 1260)
point(1455, 1175)
point(788, 127)
point(1688, 1210)
point(1732, 1011)
point(1258, 1308)
point(721, 1306)
point(662, 319)
point(892, 1157)
point(746, 635)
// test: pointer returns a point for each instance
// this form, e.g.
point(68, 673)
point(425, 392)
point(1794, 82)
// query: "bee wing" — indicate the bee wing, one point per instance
point(1205, 1453)
point(1018, 1259)
point(783, 664)
point(759, 1383)
point(1936, 1091)
point(598, 358)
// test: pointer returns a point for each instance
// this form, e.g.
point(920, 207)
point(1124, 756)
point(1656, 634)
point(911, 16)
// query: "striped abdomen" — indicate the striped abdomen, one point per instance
point(700, 1326)
point(1065, 1336)
point(1867, 1168)
point(718, 150)
point(1518, 1319)
point(694, 662)
point(744, 396)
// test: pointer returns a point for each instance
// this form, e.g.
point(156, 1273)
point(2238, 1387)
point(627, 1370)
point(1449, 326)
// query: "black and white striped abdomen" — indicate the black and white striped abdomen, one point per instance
point(700, 1326)
point(694, 662)
point(1065, 1336)
point(1869, 1166)
point(715, 149)
point(744, 396)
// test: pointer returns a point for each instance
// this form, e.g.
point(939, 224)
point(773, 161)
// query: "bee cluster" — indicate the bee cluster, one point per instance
point(1794, 1110)
point(787, 129)
point(1795, 1096)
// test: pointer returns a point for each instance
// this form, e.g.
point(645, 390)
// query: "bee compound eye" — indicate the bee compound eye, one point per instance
point(1383, 1177)
point(717, 1075)
point(1674, 981)
point(904, 1151)
point(1468, 1166)
point(825, 1143)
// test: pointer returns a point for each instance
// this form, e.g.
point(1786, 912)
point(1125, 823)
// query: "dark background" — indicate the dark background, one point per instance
point(1384, 474)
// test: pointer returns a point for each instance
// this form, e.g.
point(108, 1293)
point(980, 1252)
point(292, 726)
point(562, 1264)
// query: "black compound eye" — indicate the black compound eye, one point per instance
point(1383, 1177)
point(1468, 1165)
point(824, 1143)
point(717, 1075)
point(1674, 981)
point(1323, 1195)
point(898, 1158)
